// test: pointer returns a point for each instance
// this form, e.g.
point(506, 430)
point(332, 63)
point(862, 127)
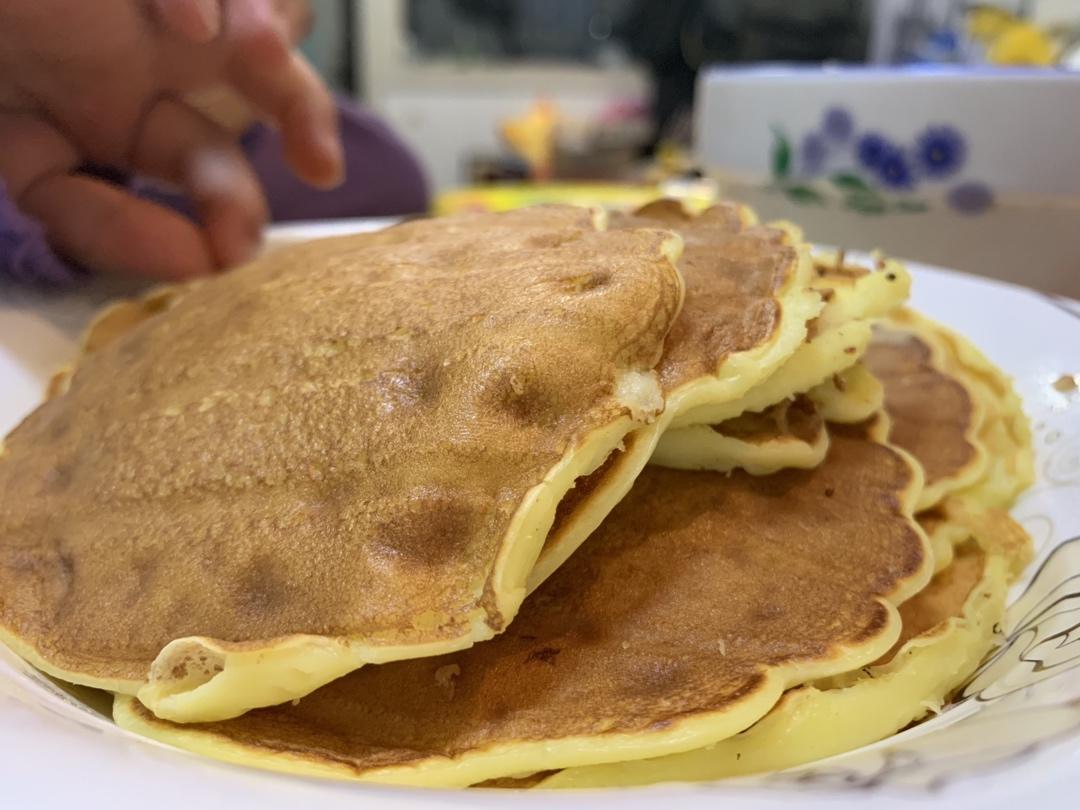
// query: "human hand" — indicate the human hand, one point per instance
point(106, 82)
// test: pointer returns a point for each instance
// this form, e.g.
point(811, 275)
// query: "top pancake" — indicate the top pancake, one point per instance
point(348, 451)
point(745, 312)
point(678, 623)
point(736, 273)
point(849, 300)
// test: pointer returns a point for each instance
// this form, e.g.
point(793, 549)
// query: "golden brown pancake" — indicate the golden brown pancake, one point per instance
point(942, 599)
point(1003, 429)
point(678, 623)
point(824, 367)
point(853, 298)
point(933, 414)
point(746, 309)
point(349, 451)
point(734, 271)
point(948, 629)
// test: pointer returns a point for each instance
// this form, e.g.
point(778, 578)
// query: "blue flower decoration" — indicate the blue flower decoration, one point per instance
point(894, 170)
point(813, 153)
point(871, 150)
point(940, 151)
point(971, 198)
point(838, 124)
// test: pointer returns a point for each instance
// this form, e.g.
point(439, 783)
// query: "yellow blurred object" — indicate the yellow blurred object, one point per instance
point(532, 137)
point(502, 197)
point(1010, 40)
point(1023, 44)
point(986, 23)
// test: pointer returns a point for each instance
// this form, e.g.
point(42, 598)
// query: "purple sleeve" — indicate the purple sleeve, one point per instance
point(25, 255)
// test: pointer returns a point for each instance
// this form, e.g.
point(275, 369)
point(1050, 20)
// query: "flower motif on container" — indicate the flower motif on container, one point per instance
point(869, 172)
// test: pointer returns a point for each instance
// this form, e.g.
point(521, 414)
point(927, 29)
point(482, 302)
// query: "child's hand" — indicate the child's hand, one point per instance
point(104, 82)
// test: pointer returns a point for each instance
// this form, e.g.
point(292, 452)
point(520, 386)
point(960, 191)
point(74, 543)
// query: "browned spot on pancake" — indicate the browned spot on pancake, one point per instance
point(931, 412)
point(694, 587)
point(732, 274)
point(545, 654)
point(332, 440)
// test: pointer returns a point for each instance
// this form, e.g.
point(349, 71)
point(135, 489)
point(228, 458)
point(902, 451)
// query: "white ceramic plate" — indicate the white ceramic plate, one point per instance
point(1015, 737)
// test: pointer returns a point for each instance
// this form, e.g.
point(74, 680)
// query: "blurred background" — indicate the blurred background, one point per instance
point(941, 130)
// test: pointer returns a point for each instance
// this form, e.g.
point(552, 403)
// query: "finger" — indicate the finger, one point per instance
point(198, 21)
point(110, 231)
point(283, 85)
point(179, 144)
point(32, 149)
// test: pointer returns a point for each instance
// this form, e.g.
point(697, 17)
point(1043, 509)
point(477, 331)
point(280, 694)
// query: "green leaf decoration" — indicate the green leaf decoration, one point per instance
point(781, 155)
point(866, 202)
point(911, 206)
point(846, 181)
point(804, 195)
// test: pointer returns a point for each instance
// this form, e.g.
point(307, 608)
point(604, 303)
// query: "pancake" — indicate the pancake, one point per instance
point(1003, 431)
point(855, 292)
point(948, 629)
point(854, 298)
point(746, 311)
point(347, 452)
point(788, 435)
point(994, 529)
point(934, 415)
point(680, 622)
point(945, 536)
point(825, 366)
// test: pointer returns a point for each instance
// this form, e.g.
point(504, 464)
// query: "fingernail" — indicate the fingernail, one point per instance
point(209, 13)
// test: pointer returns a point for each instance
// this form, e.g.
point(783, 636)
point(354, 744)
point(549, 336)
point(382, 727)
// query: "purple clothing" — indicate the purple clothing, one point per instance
point(25, 256)
point(382, 178)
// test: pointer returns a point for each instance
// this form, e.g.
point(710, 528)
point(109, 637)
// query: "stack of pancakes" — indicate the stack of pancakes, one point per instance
point(538, 499)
